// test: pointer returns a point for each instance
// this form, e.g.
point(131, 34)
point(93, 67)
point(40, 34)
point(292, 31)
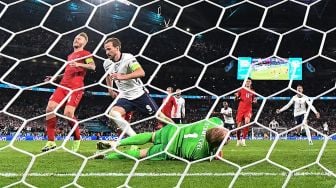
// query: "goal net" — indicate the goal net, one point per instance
point(191, 45)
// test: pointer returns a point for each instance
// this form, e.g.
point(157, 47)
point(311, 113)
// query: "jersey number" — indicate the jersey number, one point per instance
point(247, 95)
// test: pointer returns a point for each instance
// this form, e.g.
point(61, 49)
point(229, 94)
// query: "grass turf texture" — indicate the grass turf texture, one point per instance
point(59, 167)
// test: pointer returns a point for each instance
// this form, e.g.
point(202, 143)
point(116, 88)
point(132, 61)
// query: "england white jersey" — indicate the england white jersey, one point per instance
point(129, 89)
point(300, 105)
point(180, 107)
point(227, 113)
point(274, 124)
point(325, 126)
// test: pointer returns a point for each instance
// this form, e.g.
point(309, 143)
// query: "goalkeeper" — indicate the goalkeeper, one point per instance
point(193, 142)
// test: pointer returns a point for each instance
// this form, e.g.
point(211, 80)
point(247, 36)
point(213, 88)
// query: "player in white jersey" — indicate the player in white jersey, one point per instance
point(273, 125)
point(125, 71)
point(180, 113)
point(325, 128)
point(226, 111)
point(300, 102)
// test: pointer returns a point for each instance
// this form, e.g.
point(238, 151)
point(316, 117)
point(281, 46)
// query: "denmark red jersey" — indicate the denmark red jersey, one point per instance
point(167, 109)
point(74, 76)
point(245, 100)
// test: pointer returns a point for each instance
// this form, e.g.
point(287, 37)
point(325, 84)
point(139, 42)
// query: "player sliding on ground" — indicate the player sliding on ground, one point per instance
point(73, 78)
point(193, 142)
point(300, 102)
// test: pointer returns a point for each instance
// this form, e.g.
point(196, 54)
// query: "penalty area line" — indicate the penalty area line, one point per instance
point(164, 174)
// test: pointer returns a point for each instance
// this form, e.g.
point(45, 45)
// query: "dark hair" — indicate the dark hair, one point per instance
point(115, 42)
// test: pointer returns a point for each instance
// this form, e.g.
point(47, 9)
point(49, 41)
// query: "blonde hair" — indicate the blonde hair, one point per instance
point(215, 136)
point(83, 34)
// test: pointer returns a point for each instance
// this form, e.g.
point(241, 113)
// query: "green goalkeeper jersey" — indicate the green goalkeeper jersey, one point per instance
point(191, 141)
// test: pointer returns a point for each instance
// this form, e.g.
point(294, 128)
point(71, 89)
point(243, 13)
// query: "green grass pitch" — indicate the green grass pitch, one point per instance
point(58, 168)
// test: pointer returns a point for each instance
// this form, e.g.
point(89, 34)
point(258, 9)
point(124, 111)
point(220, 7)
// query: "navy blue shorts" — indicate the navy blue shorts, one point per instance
point(144, 104)
point(299, 119)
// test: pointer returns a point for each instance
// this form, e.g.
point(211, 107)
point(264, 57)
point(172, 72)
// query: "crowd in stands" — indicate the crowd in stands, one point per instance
point(196, 109)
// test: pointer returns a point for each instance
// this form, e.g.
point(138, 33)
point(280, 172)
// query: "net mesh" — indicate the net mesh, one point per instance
point(144, 53)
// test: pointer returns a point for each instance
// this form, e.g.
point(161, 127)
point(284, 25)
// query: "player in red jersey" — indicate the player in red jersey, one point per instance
point(73, 78)
point(244, 113)
point(169, 102)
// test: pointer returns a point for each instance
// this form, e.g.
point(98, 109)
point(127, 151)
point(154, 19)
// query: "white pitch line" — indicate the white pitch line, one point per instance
point(164, 174)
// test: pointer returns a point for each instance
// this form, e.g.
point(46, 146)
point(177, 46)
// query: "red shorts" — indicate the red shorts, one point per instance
point(241, 115)
point(61, 93)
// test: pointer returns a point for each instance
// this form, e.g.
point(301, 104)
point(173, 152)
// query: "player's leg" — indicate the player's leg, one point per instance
point(69, 111)
point(161, 138)
point(118, 111)
point(239, 120)
point(247, 120)
point(305, 126)
point(298, 121)
point(138, 139)
point(51, 119)
point(138, 154)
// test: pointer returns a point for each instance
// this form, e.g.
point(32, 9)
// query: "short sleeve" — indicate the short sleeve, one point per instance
point(134, 64)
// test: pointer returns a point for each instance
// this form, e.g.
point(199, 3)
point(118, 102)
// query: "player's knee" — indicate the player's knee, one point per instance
point(50, 108)
point(115, 114)
point(68, 113)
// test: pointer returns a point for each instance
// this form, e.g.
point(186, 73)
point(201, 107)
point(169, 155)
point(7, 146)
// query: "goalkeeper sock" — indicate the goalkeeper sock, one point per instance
point(51, 124)
point(122, 123)
point(133, 153)
point(138, 139)
point(76, 133)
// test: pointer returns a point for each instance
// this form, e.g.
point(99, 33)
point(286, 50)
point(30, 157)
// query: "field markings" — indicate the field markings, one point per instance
point(164, 174)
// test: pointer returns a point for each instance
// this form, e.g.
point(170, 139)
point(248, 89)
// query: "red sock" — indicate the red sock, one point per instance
point(51, 125)
point(238, 134)
point(245, 132)
point(76, 134)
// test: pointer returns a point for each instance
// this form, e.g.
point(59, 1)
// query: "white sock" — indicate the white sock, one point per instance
point(308, 133)
point(122, 123)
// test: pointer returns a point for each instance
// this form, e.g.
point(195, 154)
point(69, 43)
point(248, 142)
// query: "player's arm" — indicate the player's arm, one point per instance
point(88, 64)
point(237, 96)
point(136, 72)
point(286, 106)
point(174, 105)
point(313, 108)
point(58, 77)
point(109, 83)
point(165, 118)
point(254, 99)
